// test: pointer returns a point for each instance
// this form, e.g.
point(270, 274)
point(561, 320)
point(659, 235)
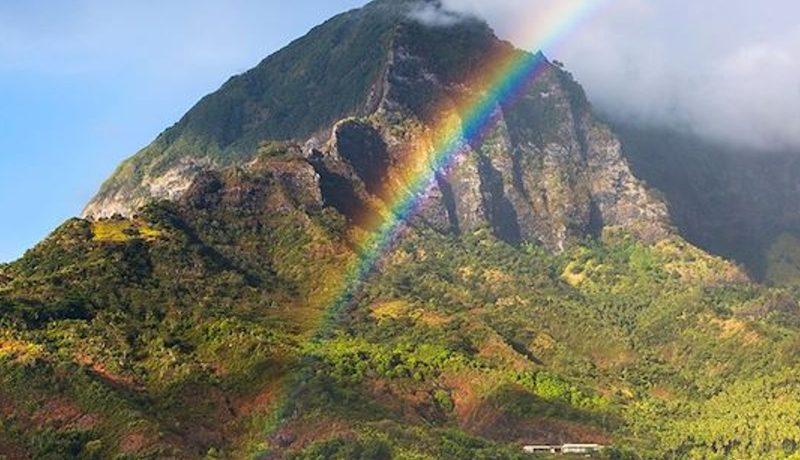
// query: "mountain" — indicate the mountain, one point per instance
point(356, 92)
point(729, 201)
point(541, 294)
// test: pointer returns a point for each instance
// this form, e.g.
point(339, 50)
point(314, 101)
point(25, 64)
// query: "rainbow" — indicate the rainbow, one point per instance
point(503, 79)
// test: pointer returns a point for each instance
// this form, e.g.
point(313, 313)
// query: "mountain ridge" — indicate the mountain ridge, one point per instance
point(538, 295)
point(555, 174)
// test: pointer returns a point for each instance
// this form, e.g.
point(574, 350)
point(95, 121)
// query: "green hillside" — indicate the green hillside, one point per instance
point(191, 331)
point(731, 201)
point(329, 74)
point(539, 294)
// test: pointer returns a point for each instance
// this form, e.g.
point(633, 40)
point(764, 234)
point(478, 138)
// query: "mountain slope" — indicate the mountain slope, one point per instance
point(549, 172)
point(269, 102)
point(457, 347)
point(539, 295)
point(732, 202)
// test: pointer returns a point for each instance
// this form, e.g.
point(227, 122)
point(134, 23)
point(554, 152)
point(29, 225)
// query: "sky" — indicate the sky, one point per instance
point(86, 83)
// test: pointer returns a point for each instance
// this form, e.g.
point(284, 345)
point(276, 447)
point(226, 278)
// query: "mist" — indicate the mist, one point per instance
point(727, 70)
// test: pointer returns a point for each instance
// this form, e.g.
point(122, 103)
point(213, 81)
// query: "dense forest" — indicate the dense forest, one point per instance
point(218, 301)
point(191, 330)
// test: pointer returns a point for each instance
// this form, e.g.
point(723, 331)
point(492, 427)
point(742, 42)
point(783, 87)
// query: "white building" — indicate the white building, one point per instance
point(580, 449)
point(542, 449)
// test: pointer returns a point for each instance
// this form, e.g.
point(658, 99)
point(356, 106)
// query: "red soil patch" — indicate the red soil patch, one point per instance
point(465, 392)
point(491, 423)
point(482, 417)
point(245, 408)
point(137, 441)
point(62, 414)
point(9, 450)
point(497, 351)
point(262, 401)
point(7, 408)
point(205, 412)
point(298, 434)
point(103, 372)
point(662, 393)
point(412, 403)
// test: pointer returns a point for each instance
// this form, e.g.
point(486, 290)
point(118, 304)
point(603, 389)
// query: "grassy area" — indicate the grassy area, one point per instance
point(203, 330)
point(122, 230)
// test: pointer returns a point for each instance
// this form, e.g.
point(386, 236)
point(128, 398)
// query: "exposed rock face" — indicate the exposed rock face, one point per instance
point(169, 184)
point(546, 173)
point(622, 199)
point(272, 184)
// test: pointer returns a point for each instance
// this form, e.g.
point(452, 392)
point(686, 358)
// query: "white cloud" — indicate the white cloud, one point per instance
point(726, 69)
point(432, 15)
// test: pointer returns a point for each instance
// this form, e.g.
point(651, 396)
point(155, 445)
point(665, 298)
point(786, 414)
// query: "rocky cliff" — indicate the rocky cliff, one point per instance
point(357, 93)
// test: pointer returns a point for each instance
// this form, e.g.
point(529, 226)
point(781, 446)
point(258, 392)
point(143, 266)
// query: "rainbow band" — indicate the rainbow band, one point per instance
point(504, 80)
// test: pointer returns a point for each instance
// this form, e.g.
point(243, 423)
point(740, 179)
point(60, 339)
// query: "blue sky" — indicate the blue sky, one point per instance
point(86, 83)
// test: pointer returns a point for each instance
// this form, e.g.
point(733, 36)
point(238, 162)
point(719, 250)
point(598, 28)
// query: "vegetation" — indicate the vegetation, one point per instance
point(783, 261)
point(727, 200)
point(341, 57)
point(195, 331)
point(212, 327)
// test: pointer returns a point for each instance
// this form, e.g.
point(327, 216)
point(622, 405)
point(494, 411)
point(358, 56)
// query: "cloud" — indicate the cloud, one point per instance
point(728, 70)
point(434, 15)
